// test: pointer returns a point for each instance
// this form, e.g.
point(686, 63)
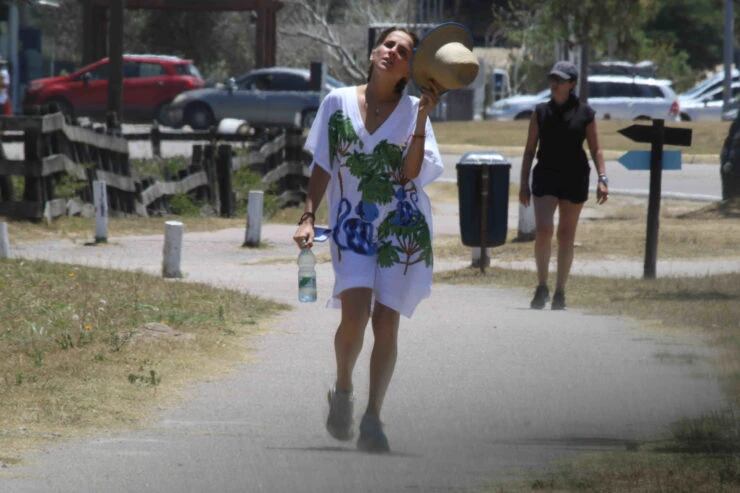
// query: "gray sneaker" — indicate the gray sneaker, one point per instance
point(339, 422)
point(372, 438)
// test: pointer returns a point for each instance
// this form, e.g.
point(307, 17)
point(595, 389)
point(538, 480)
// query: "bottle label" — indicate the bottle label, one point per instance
point(307, 282)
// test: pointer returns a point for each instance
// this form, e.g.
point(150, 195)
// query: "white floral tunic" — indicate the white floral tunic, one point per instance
point(381, 224)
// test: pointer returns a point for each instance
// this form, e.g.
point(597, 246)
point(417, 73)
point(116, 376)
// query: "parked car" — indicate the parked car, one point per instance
point(709, 84)
point(275, 96)
point(730, 162)
point(150, 83)
point(731, 112)
point(707, 107)
point(611, 96)
point(632, 98)
point(518, 107)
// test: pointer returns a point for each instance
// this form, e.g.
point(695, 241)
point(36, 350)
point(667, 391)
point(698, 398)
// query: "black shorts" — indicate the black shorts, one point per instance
point(571, 186)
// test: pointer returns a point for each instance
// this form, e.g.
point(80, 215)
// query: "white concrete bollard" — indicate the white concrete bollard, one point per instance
point(4, 241)
point(233, 126)
point(527, 228)
point(172, 249)
point(255, 208)
point(475, 257)
point(100, 197)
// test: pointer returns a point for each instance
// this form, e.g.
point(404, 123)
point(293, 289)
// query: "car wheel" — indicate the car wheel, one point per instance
point(199, 116)
point(524, 115)
point(62, 105)
point(308, 118)
point(685, 117)
point(161, 114)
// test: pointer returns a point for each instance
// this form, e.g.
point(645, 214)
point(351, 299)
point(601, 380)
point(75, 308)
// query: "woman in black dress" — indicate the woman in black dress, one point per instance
point(561, 178)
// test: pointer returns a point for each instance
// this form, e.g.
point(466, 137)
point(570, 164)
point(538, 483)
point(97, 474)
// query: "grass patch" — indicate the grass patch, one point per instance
point(70, 359)
point(291, 215)
point(699, 233)
point(159, 168)
point(708, 137)
point(700, 455)
point(709, 305)
point(83, 229)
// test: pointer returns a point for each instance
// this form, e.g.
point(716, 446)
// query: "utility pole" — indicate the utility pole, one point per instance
point(728, 50)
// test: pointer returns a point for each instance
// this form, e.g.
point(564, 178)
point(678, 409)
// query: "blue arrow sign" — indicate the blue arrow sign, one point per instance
point(640, 160)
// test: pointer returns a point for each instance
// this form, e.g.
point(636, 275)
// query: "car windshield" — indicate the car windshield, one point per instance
point(188, 69)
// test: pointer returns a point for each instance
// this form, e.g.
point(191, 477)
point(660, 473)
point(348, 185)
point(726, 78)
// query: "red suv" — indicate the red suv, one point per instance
point(150, 83)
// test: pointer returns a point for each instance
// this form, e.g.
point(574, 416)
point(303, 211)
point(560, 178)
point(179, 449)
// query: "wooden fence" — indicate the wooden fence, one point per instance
point(53, 148)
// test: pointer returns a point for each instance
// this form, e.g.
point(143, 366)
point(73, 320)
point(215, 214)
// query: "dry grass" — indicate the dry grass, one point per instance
point(700, 455)
point(643, 471)
point(707, 139)
point(83, 229)
point(686, 231)
point(291, 215)
point(68, 366)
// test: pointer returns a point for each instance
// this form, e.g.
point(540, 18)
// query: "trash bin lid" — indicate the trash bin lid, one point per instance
point(483, 158)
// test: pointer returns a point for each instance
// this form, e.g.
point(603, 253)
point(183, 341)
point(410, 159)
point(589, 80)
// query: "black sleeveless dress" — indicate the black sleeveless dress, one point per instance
point(562, 168)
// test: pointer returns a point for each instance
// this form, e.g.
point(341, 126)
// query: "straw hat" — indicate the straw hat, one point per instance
point(445, 55)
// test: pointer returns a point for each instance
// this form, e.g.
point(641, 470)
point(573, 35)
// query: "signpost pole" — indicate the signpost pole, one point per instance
point(653, 219)
point(483, 218)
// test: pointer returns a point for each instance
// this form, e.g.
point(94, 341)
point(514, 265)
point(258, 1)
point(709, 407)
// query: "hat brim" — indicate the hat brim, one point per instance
point(449, 32)
point(562, 75)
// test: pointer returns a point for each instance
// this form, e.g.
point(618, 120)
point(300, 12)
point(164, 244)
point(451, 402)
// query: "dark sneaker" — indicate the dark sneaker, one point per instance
point(372, 439)
point(558, 301)
point(339, 422)
point(541, 296)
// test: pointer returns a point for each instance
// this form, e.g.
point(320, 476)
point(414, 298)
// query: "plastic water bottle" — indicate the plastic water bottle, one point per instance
point(306, 276)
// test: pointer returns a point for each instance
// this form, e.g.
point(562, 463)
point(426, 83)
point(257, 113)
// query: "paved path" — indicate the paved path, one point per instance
point(484, 388)
point(701, 179)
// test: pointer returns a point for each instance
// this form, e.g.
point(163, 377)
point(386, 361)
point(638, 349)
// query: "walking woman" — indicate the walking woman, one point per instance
point(561, 178)
point(374, 149)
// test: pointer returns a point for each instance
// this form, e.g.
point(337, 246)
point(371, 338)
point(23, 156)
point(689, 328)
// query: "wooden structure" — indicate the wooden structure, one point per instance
point(54, 148)
point(95, 22)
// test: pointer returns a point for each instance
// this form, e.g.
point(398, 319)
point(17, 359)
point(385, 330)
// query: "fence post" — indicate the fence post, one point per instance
point(6, 184)
point(255, 208)
point(4, 241)
point(100, 196)
point(223, 172)
point(156, 137)
point(172, 249)
point(526, 228)
point(210, 167)
point(34, 187)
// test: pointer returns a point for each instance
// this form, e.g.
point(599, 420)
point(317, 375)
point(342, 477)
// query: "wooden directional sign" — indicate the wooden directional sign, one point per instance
point(645, 133)
point(657, 136)
point(640, 160)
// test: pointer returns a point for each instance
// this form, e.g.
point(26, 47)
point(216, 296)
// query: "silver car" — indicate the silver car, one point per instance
point(275, 96)
point(516, 107)
point(611, 96)
point(708, 106)
point(709, 84)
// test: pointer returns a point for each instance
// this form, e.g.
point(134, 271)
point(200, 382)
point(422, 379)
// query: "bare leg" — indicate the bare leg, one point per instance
point(383, 359)
point(569, 214)
point(544, 210)
point(350, 334)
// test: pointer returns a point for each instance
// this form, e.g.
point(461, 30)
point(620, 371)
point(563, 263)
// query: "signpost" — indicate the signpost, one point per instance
point(657, 135)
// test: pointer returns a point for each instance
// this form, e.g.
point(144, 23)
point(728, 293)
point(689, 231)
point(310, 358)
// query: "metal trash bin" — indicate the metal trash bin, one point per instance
point(483, 178)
